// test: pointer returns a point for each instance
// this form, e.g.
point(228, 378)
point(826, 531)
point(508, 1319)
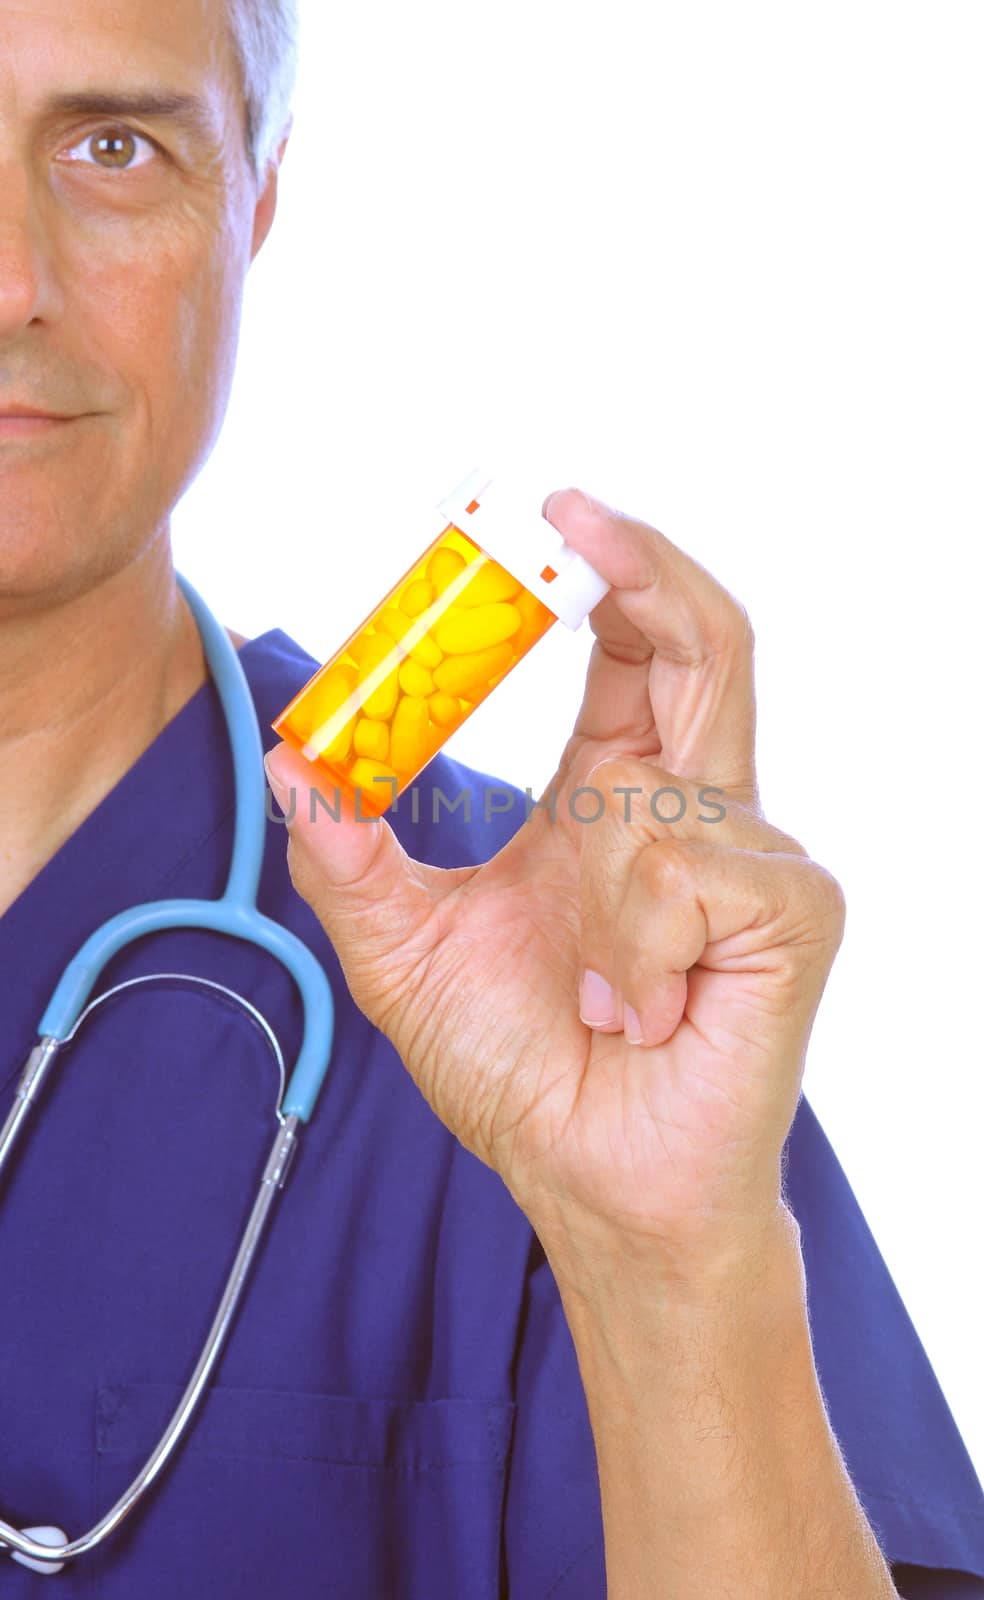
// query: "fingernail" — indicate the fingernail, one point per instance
point(277, 783)
point(631, 1026)
point(596, 1001)
point(590, 502)
point(600, 506)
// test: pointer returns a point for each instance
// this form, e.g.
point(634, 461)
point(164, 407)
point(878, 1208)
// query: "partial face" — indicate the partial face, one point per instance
point(128, 218)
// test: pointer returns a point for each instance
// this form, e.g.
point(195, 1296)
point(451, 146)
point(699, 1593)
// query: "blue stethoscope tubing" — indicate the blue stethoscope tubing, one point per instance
point(47, 1548)
point(236, 913)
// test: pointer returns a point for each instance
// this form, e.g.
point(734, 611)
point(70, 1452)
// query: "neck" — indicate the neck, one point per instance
point(86, 685)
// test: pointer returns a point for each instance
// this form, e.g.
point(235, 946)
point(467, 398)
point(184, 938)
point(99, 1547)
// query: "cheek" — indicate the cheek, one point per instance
point(161, 306)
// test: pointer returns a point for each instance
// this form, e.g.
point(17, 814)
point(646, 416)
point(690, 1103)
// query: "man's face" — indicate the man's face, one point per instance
point(128, 219)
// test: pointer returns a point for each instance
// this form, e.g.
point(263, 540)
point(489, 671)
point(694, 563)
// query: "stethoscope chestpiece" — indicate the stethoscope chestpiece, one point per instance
point(52, 1536)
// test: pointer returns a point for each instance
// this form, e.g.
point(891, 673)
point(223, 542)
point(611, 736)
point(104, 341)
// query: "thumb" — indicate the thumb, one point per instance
point(375, 902)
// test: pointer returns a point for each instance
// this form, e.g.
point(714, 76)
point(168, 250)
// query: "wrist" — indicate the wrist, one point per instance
point(706, 1265)
point(654, 1348)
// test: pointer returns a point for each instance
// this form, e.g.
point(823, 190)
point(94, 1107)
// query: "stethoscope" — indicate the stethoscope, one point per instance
point(47, 1549)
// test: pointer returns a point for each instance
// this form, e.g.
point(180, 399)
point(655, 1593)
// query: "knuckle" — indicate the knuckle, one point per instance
point(824, 899)
point(627, 785)
point(614, 773)
point(745, 629)
point(667, 867)
point(834, 899)
point(734, 625)
point(774, 838)
point(793, 846)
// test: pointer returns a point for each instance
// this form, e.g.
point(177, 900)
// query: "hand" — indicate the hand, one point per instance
point(716, 937)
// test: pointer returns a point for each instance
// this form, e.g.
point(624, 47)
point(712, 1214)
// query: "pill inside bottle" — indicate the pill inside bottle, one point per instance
point(439, 642)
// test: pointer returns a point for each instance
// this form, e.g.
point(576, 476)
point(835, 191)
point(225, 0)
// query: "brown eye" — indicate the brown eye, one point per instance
point(116, 149)
point(113, 150)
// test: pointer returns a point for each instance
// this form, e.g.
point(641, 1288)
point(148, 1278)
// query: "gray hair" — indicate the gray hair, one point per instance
point(265, 36)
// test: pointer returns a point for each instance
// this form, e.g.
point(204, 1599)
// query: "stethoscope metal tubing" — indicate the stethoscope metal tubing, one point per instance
point(274, 1177)
point(33, 1076)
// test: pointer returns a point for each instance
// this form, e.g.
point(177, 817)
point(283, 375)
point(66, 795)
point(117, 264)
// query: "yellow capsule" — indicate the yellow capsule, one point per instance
point(529, 607)
point(443, 567)
point(393, 622)
point(415, 679)
point(322, 701)
point(490, 582)
point(476, 627)
point(375, 796)
point(444, 708)
point(357, 648)
point(416, 597)
point(411, 741)
point(461, 674)
point(372, 739)
point(536, 620)
point(379, 703)
point(426, 652)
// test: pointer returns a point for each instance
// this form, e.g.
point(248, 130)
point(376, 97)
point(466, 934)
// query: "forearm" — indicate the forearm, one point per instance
point(719, 1472)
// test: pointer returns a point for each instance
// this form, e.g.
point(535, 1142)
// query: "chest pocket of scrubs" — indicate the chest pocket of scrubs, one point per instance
point(271, 1493)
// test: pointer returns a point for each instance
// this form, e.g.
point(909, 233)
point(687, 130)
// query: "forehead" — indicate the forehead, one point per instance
point(52, 45)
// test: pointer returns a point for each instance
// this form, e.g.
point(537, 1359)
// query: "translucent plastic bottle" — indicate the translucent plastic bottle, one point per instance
point(491, 583)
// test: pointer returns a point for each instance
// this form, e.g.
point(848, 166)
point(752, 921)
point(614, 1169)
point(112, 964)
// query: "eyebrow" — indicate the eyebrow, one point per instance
point(189, 110)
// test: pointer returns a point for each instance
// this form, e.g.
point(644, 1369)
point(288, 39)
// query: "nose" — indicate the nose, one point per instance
point(28, 286)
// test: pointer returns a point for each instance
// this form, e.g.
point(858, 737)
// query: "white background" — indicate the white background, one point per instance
point(721, 266)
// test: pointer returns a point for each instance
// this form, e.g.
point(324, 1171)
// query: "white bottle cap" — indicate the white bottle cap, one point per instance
point(498, 515)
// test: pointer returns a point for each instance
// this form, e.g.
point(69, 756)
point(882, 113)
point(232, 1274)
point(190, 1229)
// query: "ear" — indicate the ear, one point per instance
point(266, 204)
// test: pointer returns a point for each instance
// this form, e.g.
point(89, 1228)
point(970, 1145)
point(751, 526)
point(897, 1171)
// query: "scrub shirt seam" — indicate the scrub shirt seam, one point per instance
point(592, 1544)
point(193, 849)
point(949, 1512)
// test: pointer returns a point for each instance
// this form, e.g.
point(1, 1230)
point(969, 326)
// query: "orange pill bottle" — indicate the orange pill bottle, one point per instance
point(485, 590)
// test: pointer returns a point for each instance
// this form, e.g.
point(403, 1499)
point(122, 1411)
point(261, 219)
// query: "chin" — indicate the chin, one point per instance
point(45, 561)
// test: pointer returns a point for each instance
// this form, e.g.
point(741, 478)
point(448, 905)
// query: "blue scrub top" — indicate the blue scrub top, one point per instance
point(398, 1412)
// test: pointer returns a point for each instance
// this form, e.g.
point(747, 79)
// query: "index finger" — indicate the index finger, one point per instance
point(672, 671)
